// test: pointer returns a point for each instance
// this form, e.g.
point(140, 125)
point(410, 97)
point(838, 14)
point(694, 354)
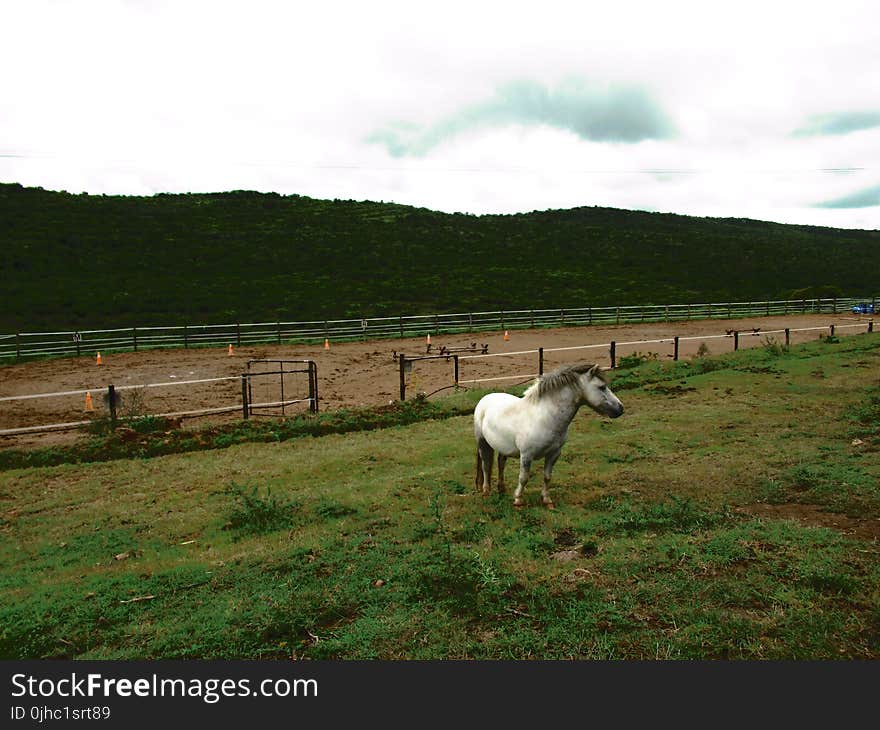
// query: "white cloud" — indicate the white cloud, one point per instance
point(139, 96)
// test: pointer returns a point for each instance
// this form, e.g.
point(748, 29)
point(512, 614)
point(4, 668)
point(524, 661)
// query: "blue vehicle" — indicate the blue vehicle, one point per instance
point(863, 308)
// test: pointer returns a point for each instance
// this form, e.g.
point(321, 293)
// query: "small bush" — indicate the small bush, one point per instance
point(628, 362)
point(148, 424)
point(773, 347)
point(256, 514)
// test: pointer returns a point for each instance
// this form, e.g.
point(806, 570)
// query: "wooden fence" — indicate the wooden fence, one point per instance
point(405, 364)
point(24, 345)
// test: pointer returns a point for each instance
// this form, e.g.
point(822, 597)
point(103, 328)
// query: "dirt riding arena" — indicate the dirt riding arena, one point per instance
point(352, 373)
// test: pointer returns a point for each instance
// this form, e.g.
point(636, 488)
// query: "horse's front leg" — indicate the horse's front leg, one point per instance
point(549, 461)
point(525, 465)
point(502, 461)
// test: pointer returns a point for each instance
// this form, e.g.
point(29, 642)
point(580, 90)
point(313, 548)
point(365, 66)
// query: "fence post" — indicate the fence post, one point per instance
point(111, 402)
point(871, 326)
point(278, 325)
point(245, 410)
point(281, 365)
point(590, 315)
point(613, 354)
point(532, 318)
point(787, 336)
point(735, 340)
point(78, 340)
point(185, 337)
point(470, 321)
point(401, 361)
point(540, 361)
point(832, 330)
point(17, 346)
point(238, 334)
point(455, 369)
point(675, 349)
point(313, 386)
point(834, 304)
point(618, 316)
point(400, 323)
point(134, 338)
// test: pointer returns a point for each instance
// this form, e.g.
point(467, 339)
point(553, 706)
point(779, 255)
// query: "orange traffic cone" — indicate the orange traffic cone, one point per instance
point(506, 336)
point(89, 406)
point(230, 349)
point(326, 344)
point(428, 341)
point(98, 359)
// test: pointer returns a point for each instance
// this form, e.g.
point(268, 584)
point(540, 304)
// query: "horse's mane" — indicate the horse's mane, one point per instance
point(560, 378)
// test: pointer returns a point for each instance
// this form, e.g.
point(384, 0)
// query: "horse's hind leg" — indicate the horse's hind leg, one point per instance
point(487, 456)
point(549, 461)
point(502, 460)
point(525, 465)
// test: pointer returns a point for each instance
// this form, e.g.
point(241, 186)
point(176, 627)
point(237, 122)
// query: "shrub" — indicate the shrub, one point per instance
point(253, 513)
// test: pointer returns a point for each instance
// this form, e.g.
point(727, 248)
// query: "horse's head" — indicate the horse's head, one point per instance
point(598, 395)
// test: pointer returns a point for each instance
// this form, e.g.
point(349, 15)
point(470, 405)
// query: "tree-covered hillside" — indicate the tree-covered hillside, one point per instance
point(78, 261)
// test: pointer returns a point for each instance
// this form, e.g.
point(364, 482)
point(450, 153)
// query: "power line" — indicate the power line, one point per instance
point(491, 170)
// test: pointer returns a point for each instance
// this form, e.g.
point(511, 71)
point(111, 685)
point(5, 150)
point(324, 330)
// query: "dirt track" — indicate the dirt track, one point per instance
point(349, 374)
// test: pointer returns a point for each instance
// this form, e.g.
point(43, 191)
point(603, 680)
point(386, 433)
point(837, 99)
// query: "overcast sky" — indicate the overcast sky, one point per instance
point(767, 110)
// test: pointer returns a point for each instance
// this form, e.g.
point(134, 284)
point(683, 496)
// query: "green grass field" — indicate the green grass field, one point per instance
point(732, 512)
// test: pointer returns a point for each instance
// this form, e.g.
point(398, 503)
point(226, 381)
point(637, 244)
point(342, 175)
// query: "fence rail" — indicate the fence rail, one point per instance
point(405, 364)
point(23, 345)
point(247, 406)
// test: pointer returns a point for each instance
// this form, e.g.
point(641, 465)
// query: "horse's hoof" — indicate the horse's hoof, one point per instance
point(518, 503)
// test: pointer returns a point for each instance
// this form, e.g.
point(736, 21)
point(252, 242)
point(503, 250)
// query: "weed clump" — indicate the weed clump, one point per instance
point(256, 514)
point(676, 515)
point(627, 362)
point(773, 347)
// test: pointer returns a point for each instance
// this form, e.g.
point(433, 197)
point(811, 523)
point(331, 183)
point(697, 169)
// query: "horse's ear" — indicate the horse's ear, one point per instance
point(596, 372)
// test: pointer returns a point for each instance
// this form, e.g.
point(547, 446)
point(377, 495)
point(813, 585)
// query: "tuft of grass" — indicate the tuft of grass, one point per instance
point(254, 513)
point(678, 514)
point(330, 509)
point(866, 415)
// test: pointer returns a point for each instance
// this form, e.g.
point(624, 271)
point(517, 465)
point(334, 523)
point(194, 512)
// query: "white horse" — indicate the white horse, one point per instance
point(536, 425)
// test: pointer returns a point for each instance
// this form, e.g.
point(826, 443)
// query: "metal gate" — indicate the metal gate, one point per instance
point(266, 379)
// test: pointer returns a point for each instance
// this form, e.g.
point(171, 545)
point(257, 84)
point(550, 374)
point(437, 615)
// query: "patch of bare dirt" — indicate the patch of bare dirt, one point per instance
point(350, 374)
point(863, 528)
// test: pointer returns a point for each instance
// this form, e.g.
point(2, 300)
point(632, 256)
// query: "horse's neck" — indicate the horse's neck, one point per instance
point(562, 405)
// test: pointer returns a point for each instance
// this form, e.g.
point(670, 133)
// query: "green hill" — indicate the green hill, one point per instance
point(77, 261)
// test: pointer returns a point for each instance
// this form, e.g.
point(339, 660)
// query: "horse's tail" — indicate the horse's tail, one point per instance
point(478, 480)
